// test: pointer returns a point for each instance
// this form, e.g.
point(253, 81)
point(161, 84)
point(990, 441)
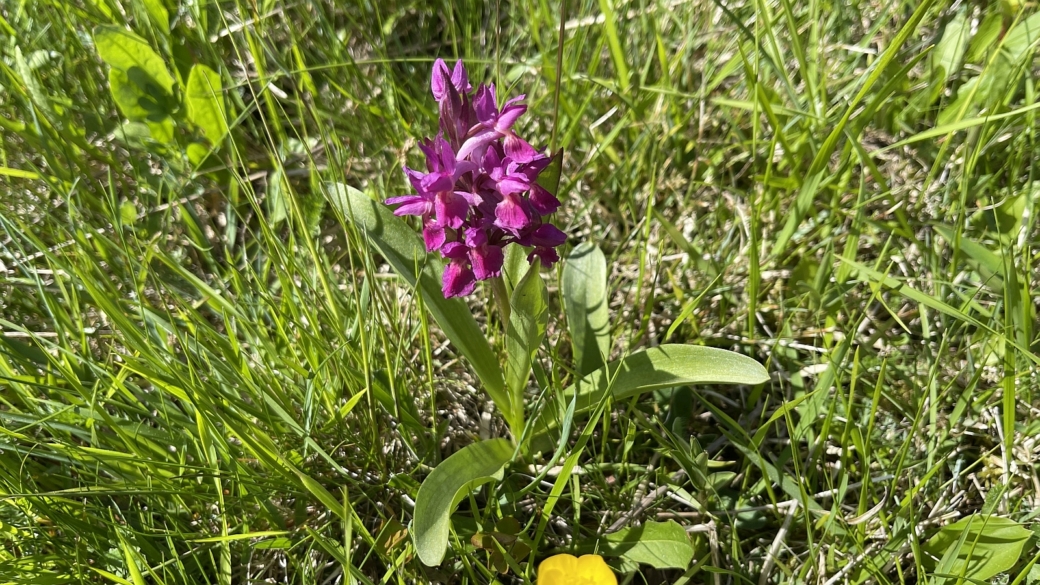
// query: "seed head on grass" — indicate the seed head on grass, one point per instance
point(479, 192)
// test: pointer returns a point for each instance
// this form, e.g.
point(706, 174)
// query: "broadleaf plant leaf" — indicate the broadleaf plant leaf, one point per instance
point(405, 253)
point(528, 318)
point(446, 485)
point(123, 50)
point(665, 366)
point(662, 545)
point(205, 100)
point(141, 85)
point(948, 55)
point(584, 286)
point(978, 547)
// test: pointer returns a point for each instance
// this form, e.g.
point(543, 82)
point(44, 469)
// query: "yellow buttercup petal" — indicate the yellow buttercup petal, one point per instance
point(595, 571)
point(570, 570)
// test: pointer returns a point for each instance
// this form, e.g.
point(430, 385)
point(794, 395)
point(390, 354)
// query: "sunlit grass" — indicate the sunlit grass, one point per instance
point(207, 376)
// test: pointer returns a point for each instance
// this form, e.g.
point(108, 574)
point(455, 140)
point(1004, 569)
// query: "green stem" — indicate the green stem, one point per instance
point(515, 413)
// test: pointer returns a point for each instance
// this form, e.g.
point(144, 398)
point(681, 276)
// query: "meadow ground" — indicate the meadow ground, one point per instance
point(207, 375)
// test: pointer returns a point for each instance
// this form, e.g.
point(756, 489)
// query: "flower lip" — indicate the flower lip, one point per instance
point(459, 280)
point(510, 213)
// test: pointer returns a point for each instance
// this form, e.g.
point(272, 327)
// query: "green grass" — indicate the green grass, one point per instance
point(206, 376)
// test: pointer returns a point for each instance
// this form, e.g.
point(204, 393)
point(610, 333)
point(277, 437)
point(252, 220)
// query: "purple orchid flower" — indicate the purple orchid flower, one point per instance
point(480, 191)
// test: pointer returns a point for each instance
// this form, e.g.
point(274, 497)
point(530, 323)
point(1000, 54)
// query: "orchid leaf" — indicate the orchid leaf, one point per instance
point(526, 330)
point(665, 366)
point(662, 545)
point(584, 285)
point(205, 99)
point(978, 547)
point(445, 487)
point(405, 253)
point(141, 85)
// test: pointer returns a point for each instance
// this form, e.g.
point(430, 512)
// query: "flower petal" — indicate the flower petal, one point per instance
point(492, 161)
point(484, 105)
point(548, 256)
point(508, 117)
point(546, 235)
point(458, 280)
point(440, 79)
point(447, 156)
point(594, 570)
point(411, 205)
point(451, 111)
point(475, 237)
point(536, 166)
point(487, 261)
point(459, 77)
point(454, 250)
point(435, 182)
point(434, 236)
point(450, 209)
point(542, 200)
point(510, 214)
point(519, 150)
point(513, 184)
point(415, 178)
point(473, 142)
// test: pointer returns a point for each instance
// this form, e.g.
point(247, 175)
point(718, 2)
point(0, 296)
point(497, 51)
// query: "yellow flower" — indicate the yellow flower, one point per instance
point(570, 570)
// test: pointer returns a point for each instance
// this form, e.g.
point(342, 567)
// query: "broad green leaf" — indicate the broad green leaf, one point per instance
point(133, 101)
point(986, 36)
point(140, 83)
point(528, 318)
point(403, 249)
point(197, 152)
point(978, 546)
point(584, 287)
point(205, 99)
point(1021, 39)
point(515, 266)
point(123, 50)
point(948, 55)
point(442, 490)
point(662, 545)
point(161, 131)
point(659, 367)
